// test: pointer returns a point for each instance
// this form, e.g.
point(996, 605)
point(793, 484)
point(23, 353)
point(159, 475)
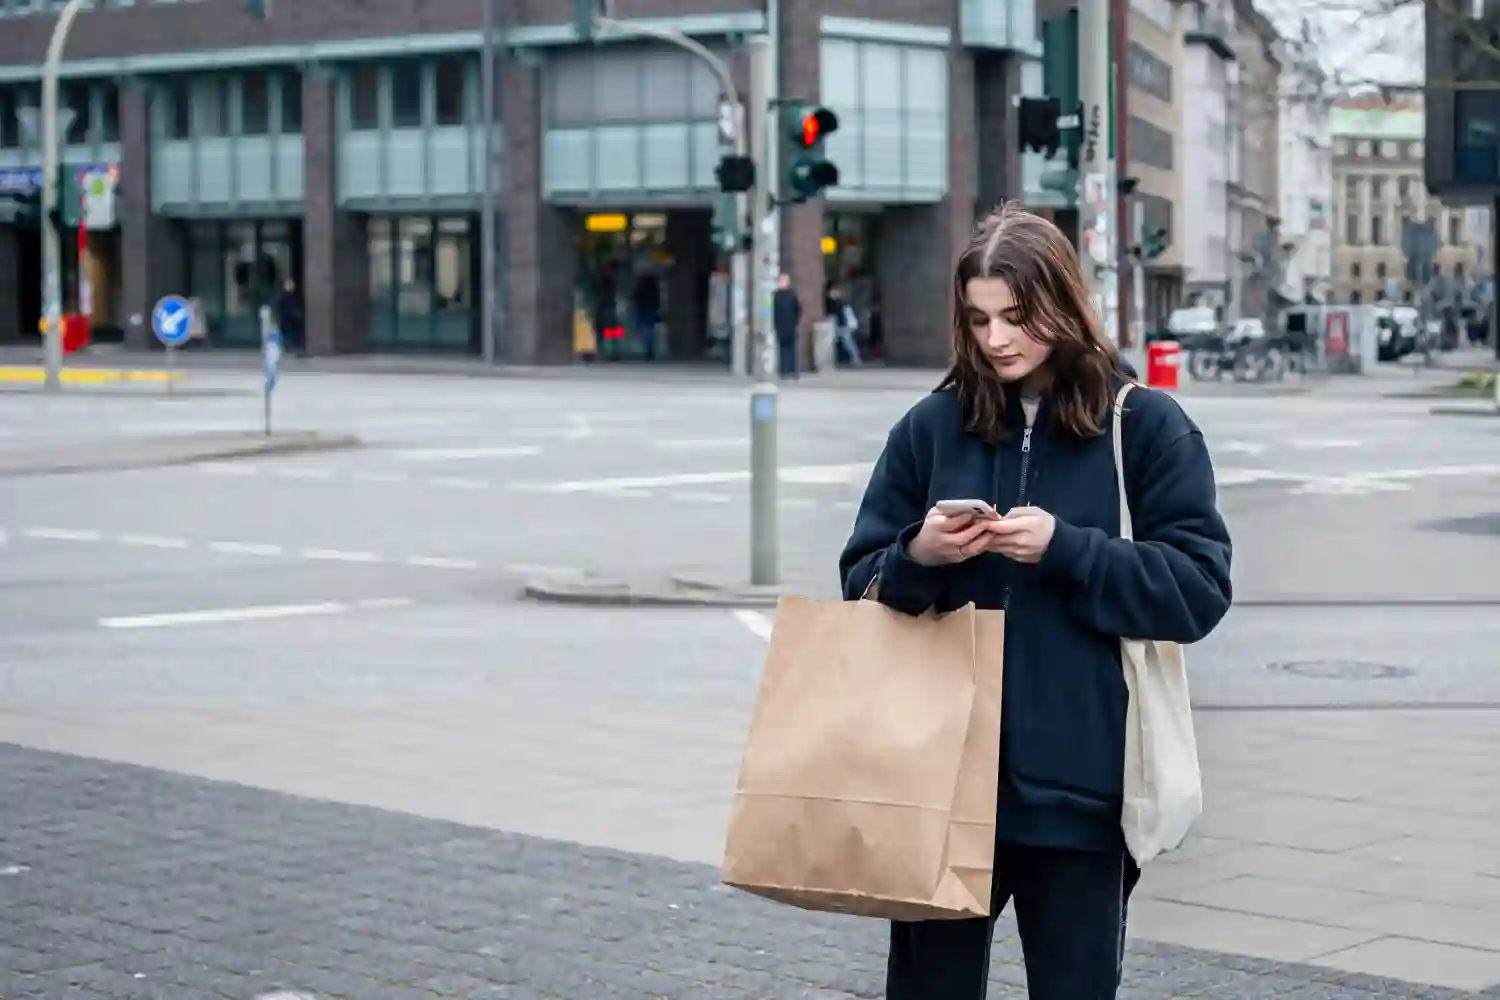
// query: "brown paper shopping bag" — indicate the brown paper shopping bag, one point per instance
point(869, 777)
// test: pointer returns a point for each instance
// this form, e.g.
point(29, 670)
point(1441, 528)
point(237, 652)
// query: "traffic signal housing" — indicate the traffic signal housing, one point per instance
point(805, 169)
point(1037, 121)
point(735, 173)
point(1154, 243)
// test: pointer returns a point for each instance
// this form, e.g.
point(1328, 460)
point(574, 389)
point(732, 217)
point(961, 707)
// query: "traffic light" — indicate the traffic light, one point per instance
point(735, 173)
point(258, 9)
point(726, 225)
point(1038, 124)
point(805, 171)
point(1155, 243)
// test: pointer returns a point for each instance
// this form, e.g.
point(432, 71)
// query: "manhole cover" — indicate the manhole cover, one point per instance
point(1479, 524)
point(1342, 670)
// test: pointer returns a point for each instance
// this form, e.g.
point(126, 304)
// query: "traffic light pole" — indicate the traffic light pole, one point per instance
point(51, 238)
point(766, 264)
point(1095, 180)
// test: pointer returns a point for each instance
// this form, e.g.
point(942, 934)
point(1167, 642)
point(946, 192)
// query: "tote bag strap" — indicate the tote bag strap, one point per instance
point(1127, 529)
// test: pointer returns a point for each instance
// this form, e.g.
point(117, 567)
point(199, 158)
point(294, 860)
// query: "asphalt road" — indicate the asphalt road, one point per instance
point(1369, 508)
point(269, 621)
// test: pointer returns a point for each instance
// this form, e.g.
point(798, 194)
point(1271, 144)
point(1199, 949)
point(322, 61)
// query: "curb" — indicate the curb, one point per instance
point(89, 375)
point(675, 592)
point(1475, 410)
point(276, 445)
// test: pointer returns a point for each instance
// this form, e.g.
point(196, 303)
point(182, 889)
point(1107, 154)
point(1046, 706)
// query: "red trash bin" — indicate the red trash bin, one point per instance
point(1163, 364)
point(77, 332)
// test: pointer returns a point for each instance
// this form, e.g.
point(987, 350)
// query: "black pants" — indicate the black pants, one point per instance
point(1070, 910)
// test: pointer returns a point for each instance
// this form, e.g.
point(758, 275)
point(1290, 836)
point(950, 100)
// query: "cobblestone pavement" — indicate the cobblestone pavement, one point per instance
point(122, 882)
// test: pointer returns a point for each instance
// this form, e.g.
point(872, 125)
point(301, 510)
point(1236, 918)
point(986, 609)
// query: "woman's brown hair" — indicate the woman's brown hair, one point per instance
point(1035, 259)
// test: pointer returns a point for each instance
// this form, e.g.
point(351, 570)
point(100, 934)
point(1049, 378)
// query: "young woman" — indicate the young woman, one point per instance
point(1023, 420)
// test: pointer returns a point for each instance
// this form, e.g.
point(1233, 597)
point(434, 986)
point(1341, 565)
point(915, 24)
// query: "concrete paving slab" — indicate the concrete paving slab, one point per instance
point(1421, 961)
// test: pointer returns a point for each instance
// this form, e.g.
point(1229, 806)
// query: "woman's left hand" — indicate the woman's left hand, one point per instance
point(1023, 534)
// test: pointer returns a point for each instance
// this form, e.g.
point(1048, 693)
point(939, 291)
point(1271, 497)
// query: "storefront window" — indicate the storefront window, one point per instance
point(422, 294)
point(234, 268)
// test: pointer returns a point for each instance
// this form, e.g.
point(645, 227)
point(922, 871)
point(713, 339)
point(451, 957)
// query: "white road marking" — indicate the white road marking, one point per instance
point(442, 562)
point(701, 444)
point(1241, 447)
point(460, 482)
point(1325, 444)
point(63, 534)
point(685, 496)
point(340, 555)
point(154, 541)
point(303, 472)
point(457, 454)
point(826, 475)
point(245, 548)
point(212, 616)
point(384, 603)
point(419, 420)
point(552, 572)
point(759, 624)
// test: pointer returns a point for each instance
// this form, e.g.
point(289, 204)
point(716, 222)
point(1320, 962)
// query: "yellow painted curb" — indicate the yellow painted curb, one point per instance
point(87, 376)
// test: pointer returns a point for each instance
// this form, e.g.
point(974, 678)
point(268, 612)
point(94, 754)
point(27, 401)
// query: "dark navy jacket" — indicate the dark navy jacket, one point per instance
point(1063, 717)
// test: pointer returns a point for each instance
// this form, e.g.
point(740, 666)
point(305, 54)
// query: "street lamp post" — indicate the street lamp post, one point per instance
point(51, 239)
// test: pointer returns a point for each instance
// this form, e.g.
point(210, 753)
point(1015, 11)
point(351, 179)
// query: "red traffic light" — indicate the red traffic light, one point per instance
point(818, 125)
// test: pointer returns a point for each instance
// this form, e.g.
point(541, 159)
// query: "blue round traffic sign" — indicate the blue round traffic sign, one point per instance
point(172, 320)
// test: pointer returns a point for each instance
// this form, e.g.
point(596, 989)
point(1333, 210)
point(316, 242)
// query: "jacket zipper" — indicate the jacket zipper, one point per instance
point(1021, 494)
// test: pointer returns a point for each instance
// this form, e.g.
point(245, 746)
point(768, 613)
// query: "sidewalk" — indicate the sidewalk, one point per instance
point(1399, 377)
point(129, 883)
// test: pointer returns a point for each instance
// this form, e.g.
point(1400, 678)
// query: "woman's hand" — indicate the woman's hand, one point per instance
point(1023, 534)
point(944, 540)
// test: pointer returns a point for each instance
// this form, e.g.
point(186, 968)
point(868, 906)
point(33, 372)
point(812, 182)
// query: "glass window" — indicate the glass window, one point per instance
point(10, 125)
point(1377, 188)
point(1455, 230)
point(452, 82)
point(1351, 229)
point(255, 105)
point(109, 111)
point(453, 283)
point(1377, 230)
point(179, 107)
point(1354, 271)
point(77, 97)
point(291, 102)
point(1380, 271)
point(414, 267)
point(364, 96)
point(406, 93)
point(210, 106)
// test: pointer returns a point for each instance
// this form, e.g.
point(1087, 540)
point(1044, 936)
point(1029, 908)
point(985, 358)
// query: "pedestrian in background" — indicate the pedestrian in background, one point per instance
point(845, 324)
point(1023, 420)
point(786, 316)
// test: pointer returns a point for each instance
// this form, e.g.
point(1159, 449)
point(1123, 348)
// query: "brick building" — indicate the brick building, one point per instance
point(339, 143)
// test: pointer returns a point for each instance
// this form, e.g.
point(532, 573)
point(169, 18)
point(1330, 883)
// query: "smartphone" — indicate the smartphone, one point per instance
point(976, 508)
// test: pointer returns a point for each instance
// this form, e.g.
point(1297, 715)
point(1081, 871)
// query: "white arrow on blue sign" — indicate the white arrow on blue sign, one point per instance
point(271, 356)
point(172, 320)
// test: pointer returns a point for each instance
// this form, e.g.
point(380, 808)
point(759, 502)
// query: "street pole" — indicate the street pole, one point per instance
point(1095, 226)
point(766, 268)
point(1138, 281)
point(1119, 46)
point(487, 198)
point(51, 239)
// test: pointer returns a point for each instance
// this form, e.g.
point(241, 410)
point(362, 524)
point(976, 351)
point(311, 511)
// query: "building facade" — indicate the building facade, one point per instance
point(1210, 150)
point(1379, 151)
point(340, 144)
point(1306, 164)
point(1155, 146)
point(1255, 190)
